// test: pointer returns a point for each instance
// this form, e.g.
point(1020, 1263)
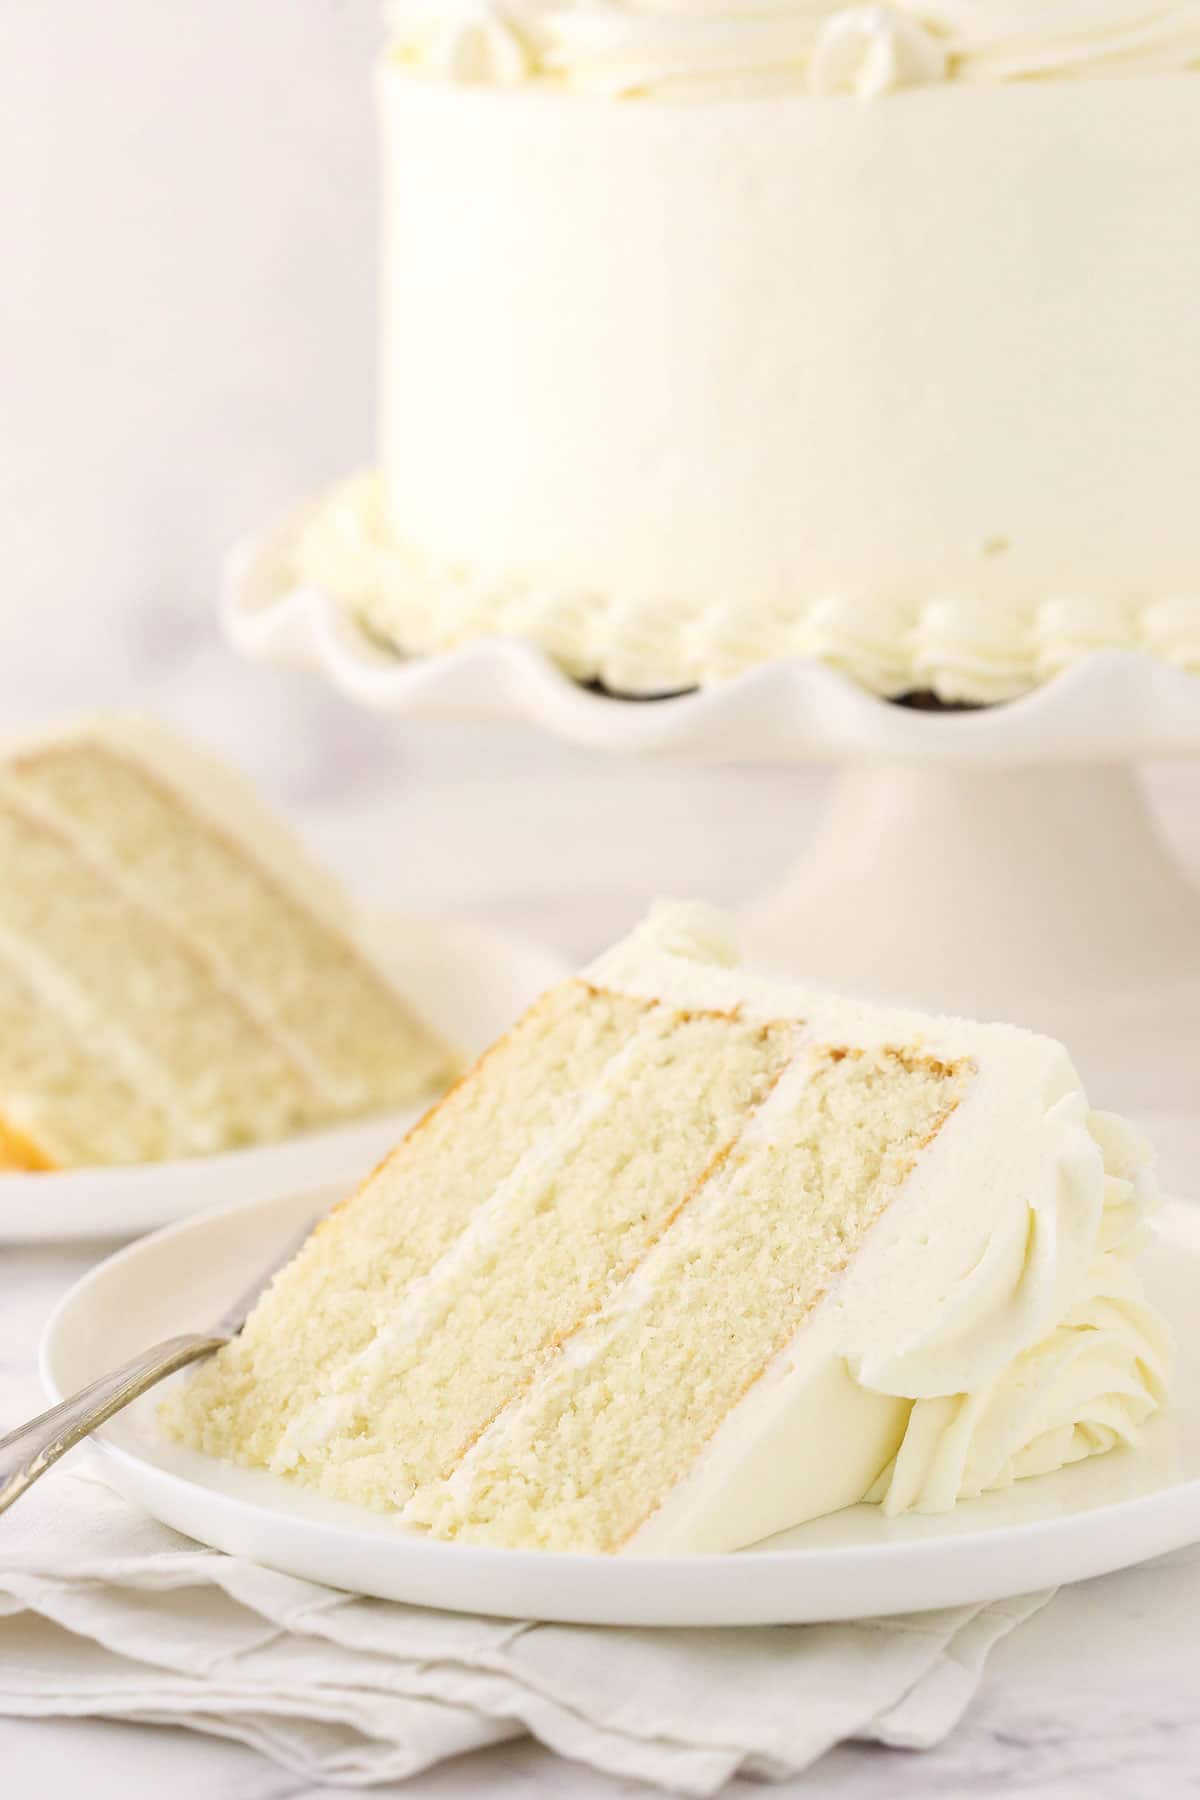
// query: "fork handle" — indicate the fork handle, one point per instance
point(31, 1449)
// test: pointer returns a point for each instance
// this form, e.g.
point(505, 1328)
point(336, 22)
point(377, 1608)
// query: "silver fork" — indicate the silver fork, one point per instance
point(27, 1452)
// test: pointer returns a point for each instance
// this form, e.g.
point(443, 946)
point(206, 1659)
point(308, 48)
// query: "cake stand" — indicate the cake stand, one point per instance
point(1001, 863)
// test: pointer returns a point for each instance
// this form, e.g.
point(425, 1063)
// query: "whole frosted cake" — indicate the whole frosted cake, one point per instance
point(715, 332)
point(690, 1257)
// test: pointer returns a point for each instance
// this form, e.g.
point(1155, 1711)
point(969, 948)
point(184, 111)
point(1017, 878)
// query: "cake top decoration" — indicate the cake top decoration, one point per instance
point(706, 48)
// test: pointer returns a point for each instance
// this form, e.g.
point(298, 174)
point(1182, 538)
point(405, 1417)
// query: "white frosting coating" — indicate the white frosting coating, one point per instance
point(993, 1326)
point(962, 651)
point(672, 48)
point(870, 50)
point(917, 426)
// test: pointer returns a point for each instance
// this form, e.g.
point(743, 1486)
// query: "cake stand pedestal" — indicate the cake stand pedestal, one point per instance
point(1041, 894)
point(1000, 863)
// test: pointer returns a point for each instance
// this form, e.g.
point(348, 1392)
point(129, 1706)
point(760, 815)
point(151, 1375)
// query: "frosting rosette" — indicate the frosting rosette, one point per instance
point(871, 50)
point(1094, 1356)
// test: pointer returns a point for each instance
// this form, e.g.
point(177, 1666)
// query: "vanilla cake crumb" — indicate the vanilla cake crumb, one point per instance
point(691, 1256)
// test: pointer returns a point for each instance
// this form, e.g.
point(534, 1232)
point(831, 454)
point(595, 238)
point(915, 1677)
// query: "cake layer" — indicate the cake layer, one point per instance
point(623, 1414)
point(404, 1219)
point(194, 1043)
point(574, 1218)
point(340, 1022)
point(910, 386)
point(63, 1102)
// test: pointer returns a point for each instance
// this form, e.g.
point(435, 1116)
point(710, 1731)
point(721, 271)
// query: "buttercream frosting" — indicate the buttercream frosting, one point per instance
point(993, 1325)
point(672, 48)
point(962, 651)
point(673, 390)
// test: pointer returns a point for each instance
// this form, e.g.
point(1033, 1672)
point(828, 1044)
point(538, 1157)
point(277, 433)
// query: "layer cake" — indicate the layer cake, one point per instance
point(691, 1256)
point(714, 333)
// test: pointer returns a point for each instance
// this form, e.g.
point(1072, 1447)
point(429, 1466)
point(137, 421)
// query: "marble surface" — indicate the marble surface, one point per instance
point(186, 344)
point(1094, 1697)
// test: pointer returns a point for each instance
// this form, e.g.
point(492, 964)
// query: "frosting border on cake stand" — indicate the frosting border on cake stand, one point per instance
point(1000, 862)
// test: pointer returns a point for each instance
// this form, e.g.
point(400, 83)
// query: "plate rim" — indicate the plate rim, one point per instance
point(738, 1583)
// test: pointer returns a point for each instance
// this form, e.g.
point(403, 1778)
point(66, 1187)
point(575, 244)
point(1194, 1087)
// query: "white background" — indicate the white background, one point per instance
point(187, 332)
point(187, 343)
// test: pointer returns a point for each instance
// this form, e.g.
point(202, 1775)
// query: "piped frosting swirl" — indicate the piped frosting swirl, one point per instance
point(665, 48)
point(1015, 1323)
point(1095, 1357)
point(961, 650)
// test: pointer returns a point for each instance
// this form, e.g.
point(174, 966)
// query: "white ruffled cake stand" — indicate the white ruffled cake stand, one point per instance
point(1000, 863)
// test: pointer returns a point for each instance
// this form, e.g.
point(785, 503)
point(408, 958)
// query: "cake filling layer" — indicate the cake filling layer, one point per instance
point(577, 1214)
point(406, 1217)
point(631, 1401)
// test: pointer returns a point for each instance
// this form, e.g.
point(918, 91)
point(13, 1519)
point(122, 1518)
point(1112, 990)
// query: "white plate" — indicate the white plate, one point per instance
point(469, 982)
point(1087, 1520)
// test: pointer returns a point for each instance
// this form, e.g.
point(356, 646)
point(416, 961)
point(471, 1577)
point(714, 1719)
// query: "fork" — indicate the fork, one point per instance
point(27, 1452)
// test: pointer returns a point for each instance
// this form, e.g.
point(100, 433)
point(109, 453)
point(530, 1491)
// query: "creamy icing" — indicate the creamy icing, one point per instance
point(679, 47)
point(992, 1327)
point(893, 406)
point(871, 50)
point(960, 650)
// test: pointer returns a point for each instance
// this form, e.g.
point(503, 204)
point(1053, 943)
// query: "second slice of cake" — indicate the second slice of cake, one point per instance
point(176, 976)
point(691, 1256)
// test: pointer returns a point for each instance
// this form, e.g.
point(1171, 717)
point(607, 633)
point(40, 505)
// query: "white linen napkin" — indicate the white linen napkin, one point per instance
point(105, 1612)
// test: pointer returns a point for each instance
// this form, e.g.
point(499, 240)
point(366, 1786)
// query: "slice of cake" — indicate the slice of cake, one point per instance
point(691, 1256)
point(175, 976)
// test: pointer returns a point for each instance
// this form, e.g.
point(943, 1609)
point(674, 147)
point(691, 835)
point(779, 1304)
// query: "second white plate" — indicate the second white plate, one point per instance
point(1097, 1516)
point(469, 982)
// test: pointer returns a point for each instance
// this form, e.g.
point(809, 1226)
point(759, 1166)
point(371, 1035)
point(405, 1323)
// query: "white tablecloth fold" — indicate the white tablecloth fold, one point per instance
point(104, 1612)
